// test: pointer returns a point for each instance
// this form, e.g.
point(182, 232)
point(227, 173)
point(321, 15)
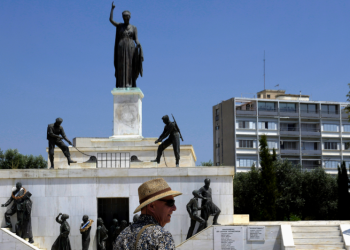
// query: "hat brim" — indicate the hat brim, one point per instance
point(157, 197)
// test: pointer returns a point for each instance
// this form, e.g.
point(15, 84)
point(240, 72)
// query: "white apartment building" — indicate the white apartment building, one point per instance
point(310, 133)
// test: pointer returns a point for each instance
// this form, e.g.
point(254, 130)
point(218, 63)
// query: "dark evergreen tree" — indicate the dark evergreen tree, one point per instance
point(268, 182)
point(343, 194)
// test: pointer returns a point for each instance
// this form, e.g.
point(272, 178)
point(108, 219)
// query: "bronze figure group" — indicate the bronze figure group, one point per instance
point(22, 206)
point(207, 209)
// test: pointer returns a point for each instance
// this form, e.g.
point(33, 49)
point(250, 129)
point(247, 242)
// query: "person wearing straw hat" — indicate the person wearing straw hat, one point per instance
point(156, 205)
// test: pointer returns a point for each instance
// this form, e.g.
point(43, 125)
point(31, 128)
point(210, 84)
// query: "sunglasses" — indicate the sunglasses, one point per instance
point(169, 203)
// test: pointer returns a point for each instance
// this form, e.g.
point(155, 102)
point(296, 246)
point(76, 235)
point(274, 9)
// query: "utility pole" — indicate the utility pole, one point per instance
point(264, 69)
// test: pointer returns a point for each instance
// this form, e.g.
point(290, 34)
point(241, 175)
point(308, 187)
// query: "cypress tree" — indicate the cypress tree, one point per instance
point(343, 194)
point(268, 181)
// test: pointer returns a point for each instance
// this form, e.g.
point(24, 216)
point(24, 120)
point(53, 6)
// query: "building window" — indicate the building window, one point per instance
point(309, 145)
point(246, 144)
point(217, 127)
point(330, 127)
point(268, 96)
point(289, 127)
point(308, 108)
point(216, 114)
point(346, 128)
point(272, 144)
point(288, 107)
point(218, 164)
point(267, 106)
point(309, 127)
point(259, 95)
point(268, 125)
point(329, 109)
point(289, 145)
point(218, 145)
point(246, 162)
point(246, 124)
point(331, 145)
point(346, 145)
point(331, 164)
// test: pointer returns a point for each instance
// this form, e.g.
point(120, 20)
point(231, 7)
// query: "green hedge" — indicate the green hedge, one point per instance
point(12, 159)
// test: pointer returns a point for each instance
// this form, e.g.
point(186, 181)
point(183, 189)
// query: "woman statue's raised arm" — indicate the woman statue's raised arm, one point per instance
point(111, 16)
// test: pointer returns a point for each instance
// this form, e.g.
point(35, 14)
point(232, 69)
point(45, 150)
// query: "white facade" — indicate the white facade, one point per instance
point(310, 133)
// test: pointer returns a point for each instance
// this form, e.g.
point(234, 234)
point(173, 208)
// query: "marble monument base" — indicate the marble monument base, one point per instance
point(127, 106)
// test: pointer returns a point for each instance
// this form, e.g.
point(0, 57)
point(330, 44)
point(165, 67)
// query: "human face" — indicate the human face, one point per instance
point(126, 19)
point(207, 182)
point(162, 212)
point(85, 218)
point(18, 185)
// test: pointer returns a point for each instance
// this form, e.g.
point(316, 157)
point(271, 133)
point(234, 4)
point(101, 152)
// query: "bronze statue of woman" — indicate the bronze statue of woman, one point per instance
point(128, 57)
point(62, 242)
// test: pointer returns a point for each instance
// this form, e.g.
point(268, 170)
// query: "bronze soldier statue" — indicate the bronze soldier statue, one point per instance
point(208, 206)
point(85, 229)
point(101, 235)
point(192, 209)
point(22, 205)
point(171, 130)
point(55, 135)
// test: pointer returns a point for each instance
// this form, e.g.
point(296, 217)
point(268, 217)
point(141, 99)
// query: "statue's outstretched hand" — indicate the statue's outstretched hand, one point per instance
point(69, 142)
point(113, 6)
point(2, 205)
point(156, 142)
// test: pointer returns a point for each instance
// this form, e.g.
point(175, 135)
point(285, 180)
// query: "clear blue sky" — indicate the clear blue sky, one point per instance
point(56, 60)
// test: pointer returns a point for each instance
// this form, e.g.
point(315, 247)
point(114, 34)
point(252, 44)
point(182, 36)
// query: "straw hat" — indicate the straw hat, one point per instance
point(153, 190)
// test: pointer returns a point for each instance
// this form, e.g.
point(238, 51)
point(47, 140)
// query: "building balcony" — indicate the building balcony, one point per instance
point(289, 112)
point(268, 112)
point(305, 113)
point(289, 132)
point(246, 112)
point(311, 152)
point(310, 167)
point(329, 114)
point(310, 132)
point(290, 151)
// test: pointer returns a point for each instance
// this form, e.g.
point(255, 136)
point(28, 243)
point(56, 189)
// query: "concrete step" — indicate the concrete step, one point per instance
point(315, 246)
point(319, 233)
point(314, 229)
point(319, 240)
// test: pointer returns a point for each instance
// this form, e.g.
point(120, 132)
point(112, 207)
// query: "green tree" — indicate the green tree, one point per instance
point(347, 108)
point(268, 181)
point(12, 159)
point(247, 197)
point(343, 193)
point(289, 185)
point(320, 193)
point(207, 163)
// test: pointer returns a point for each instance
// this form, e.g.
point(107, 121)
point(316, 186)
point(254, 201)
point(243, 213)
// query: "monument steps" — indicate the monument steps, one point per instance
point(317, 237)
point(35, 245)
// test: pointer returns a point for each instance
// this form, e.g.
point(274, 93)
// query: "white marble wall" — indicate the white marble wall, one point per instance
point(7, 242)
point(205, 240)
point(75, 192)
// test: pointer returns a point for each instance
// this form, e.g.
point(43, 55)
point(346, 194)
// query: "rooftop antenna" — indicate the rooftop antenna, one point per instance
point(264, 69)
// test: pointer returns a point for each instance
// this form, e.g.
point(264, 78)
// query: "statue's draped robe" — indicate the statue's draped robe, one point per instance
point(62, 242)
point(127, 58)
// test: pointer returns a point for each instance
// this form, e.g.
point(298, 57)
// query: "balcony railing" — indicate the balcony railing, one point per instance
point(290, 151)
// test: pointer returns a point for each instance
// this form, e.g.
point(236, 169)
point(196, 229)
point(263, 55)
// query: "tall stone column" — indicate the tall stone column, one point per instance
point(127, 105)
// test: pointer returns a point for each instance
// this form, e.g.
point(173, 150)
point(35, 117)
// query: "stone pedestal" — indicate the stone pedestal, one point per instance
point(127, 114)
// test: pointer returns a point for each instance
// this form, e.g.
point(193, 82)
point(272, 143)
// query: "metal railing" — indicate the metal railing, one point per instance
point(289, 129)
point(113, 160)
